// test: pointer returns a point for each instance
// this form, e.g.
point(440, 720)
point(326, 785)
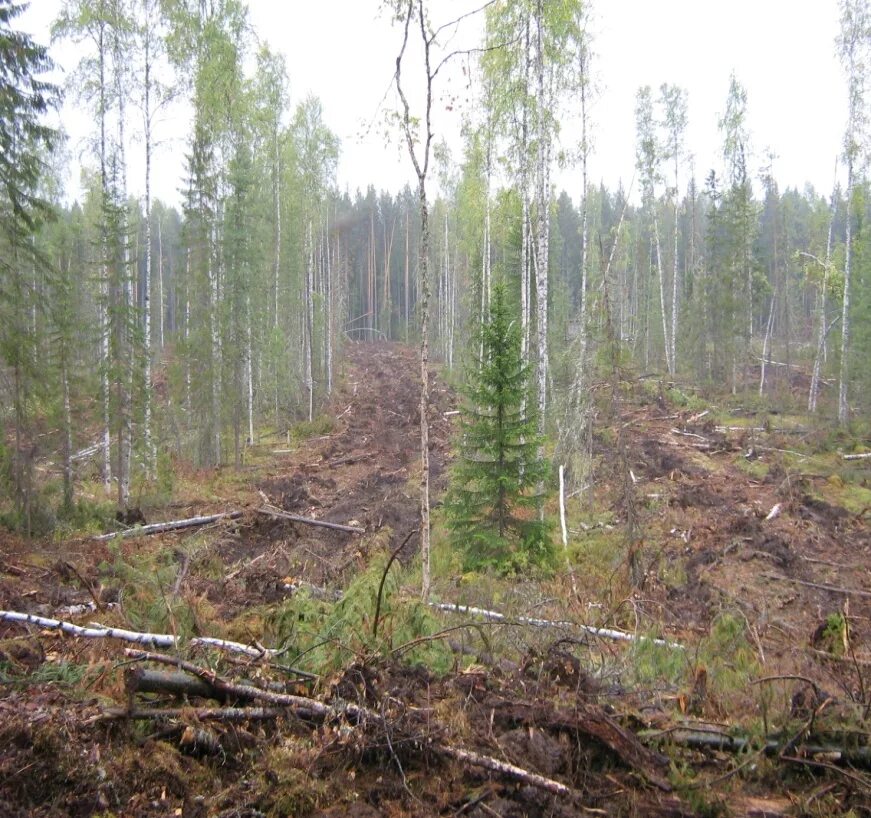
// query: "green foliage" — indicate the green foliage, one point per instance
point(305, 429)
point(492, 503)
point(146, 585)
point(327, 637)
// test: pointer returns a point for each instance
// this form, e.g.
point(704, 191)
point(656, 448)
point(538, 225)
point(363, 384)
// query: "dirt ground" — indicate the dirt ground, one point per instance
point(726, 525)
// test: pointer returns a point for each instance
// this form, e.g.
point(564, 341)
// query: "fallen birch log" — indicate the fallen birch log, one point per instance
point(863, 456)
point(295, 518)
point(160, 640)
point(172, 525)
point(605, 633)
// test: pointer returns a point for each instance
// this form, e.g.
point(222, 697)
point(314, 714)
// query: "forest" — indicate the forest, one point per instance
point(560, 494)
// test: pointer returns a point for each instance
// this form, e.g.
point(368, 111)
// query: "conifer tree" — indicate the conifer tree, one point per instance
point(492, 500)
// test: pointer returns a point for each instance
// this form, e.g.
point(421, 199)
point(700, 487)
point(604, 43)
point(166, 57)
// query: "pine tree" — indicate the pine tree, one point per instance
point(491, 508)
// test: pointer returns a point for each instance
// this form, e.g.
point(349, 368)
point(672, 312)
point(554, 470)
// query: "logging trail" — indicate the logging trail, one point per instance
point(542, 713)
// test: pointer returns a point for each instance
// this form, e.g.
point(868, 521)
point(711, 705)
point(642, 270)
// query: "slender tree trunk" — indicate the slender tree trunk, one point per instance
point(161, 302)
point(766, 344)
point(662, 308)
point(150, 449)
point(407, 264)
point(675, 277)
point(821, 329)
point(126, 348)
point(584, 69)
point(309, 325)
point(424, 389)
point(104, 269)
point(843, 406)
point(249, 367)
point(328, 329)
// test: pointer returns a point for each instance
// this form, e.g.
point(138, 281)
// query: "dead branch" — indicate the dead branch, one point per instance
point(863, 456)
point(836, 589)
point(230, 714)
point(271, 511)
point(509, 770)
point(302, 706)
point(172, 525)
point(702, 739)
point(690, 434)
point(161, 640)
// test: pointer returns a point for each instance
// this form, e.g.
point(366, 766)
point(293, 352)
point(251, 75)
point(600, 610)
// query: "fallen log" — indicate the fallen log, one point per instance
point(863, 456)
point(161, 640)
point(176, 683)
point(605, 633)
point(702, 739)
point(269, 511)
point(305, 707)
point(172, 525)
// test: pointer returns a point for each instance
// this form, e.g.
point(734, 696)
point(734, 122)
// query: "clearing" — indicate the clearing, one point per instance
point(754, 561)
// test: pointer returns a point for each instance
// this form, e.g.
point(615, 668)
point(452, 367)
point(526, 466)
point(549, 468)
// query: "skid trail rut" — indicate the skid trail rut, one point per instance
point(364, 472)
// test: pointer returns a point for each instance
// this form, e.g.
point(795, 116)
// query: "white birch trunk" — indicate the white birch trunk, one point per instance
point(104, 274)
point(675, 273)
point(276, 206)
point(150, 449)
point(161, 300)
point(661, 277)
point(125, 430)
point(309, 324)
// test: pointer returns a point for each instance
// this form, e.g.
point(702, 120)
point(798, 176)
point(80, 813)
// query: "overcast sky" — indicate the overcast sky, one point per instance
point(344, 51)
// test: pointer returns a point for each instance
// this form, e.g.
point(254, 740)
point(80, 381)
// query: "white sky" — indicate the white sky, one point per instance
point(344, 52)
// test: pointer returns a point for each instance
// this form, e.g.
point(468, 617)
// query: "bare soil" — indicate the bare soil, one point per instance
point(706, 549)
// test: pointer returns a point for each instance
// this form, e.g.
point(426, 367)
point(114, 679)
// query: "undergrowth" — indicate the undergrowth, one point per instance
point(324, 637)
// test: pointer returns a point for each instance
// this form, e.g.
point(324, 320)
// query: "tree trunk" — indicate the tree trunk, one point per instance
point(843, 406)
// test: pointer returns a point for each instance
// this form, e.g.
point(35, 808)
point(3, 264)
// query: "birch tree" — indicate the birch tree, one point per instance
point(648, 158)
point(673, 101)
point(853, 49)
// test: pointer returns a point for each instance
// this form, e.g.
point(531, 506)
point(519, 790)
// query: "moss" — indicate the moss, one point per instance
point(757, 469)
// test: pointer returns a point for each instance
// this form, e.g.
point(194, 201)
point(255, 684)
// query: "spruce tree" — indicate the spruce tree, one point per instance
point(492, 505)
